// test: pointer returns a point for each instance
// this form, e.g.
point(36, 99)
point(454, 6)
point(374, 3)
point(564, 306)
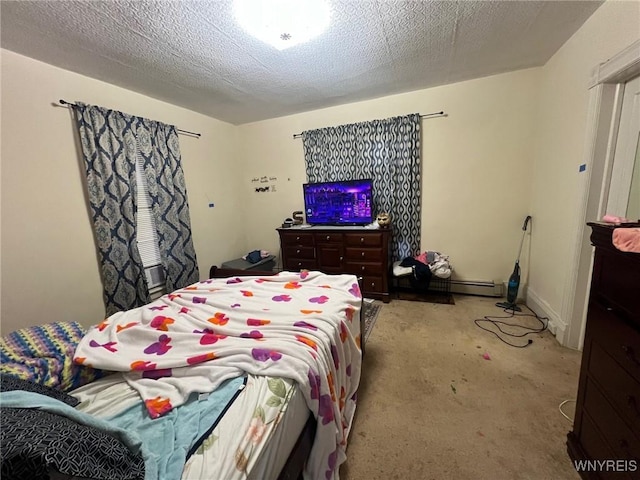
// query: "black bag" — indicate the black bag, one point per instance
point(421, 277)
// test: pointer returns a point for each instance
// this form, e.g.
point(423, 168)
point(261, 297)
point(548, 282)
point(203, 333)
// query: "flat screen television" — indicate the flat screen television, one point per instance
point(348, 202)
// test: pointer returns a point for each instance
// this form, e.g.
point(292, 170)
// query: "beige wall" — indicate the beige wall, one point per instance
point(510, 146)
point(560, 146)
point(49, 267)
point(476, 167)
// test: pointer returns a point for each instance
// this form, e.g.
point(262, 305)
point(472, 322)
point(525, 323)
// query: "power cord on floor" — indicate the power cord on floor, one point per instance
point(564, 414)
point(497, 323)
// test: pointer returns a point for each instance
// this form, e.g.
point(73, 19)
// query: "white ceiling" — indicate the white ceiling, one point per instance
point(193, 54)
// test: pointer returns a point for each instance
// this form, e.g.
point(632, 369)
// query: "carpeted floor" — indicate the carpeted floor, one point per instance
point(432, 407)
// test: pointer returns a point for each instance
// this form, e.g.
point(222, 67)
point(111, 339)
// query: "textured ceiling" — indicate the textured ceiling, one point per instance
point(193, 54)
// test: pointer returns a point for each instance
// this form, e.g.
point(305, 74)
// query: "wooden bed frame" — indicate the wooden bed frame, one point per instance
point(297, 459)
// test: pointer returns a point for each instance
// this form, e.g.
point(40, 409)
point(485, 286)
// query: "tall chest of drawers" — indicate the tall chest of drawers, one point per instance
point(360, 251)
point(607, 418)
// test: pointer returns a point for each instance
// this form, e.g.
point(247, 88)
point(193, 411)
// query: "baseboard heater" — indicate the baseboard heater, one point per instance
point(481, 288)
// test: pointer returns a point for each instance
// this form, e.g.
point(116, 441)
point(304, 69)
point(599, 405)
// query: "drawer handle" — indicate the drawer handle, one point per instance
point(363, 254)
point(297, 238)
point(328, 237)
point(299, 264)
point(298, 251)
point(631, 354)
point(341, 258)
point(361, 239)
point(363, 268)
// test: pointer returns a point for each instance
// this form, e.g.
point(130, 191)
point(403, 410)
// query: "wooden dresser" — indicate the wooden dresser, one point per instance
point(607, 418)
point(358, 250)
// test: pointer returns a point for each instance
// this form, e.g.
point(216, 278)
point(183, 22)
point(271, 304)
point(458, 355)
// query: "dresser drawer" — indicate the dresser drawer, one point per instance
point(622, 391)
point(615, 432)
point(363, 239)
point(616, 337)
point(299, 252)
point(596, 448)
point(363, 254)
point(364, 269)
point(296, 238)
point(372, 284)
point(297, 264)
point(329, 238)
point(616, 281)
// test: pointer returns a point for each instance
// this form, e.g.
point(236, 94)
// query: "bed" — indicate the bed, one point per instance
point(243, 376)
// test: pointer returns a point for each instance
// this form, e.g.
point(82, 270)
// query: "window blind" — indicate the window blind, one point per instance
point(146, 232)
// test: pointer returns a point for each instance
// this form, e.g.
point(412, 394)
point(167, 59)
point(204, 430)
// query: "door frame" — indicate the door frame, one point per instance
point(605, 103)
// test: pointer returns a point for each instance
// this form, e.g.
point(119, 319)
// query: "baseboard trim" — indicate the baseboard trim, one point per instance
point(477, 287)
point(556, 325)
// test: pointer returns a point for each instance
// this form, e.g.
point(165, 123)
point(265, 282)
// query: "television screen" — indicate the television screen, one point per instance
point(339, 203)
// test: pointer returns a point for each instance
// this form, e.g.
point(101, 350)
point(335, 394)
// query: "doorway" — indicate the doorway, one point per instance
point(605, 121)
point(623, 199)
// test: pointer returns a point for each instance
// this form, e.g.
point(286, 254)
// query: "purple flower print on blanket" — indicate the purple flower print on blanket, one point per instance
point(282, 298)
point(321, 299)
point(325, 409)
point(255, 334)
point(160, 347)
point(108, 346)
point(263, 354)
point(305, 325)
point(332, 464)
point(314, 383)
point(355, 290)
point(334, 354)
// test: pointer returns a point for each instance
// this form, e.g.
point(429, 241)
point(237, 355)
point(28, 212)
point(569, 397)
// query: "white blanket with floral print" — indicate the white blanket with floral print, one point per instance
point(303, 326)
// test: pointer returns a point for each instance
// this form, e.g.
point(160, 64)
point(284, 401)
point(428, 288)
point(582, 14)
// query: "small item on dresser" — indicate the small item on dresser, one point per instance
point(383, 219)
point(614, 219)
point(298, 219)
point(627, 239)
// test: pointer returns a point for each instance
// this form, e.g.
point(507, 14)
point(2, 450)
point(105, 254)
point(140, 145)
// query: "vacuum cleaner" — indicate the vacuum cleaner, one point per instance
point(514, 279)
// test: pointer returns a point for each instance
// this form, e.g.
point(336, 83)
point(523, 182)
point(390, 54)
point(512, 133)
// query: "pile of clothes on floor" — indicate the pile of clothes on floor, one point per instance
point(422, 267)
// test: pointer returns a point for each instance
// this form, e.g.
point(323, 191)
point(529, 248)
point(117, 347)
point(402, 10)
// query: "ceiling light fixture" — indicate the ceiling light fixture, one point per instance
point(283, 23)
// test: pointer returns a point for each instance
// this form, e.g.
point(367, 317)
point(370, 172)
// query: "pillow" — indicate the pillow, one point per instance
point(44, 354)
point(8, 383)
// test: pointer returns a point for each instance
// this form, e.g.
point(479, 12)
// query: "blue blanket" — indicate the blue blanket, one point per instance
point(171, 438)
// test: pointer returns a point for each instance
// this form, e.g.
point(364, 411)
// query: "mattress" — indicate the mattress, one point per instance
point(251, 440)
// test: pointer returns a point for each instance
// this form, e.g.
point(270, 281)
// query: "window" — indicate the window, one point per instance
point(147, 238)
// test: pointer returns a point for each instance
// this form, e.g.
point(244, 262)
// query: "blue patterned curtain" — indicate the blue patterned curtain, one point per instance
point(109, 150)
point(387, 151)
point(111, 142)
point(168, 192)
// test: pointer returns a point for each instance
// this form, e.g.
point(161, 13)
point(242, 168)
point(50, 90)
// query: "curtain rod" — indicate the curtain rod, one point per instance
point(434, 114)
point(73, 105)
